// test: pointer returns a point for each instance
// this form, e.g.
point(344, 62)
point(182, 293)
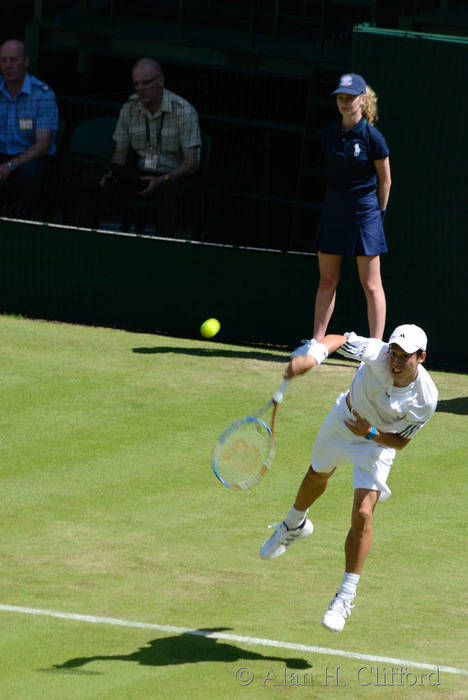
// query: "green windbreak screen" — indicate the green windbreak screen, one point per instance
point(420, 81)
point(170, 287)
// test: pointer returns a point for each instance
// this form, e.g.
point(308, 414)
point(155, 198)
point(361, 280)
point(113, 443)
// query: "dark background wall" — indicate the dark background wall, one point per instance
point(170, 287)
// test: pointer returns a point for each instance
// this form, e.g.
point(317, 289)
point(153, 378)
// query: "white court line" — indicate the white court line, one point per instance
point(232, 638)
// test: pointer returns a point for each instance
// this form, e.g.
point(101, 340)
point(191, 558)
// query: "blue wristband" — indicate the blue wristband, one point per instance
point(372, 434)
point(382, 213)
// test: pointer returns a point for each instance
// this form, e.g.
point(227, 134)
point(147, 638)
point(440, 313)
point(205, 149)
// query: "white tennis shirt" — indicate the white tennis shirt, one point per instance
point(392, 409)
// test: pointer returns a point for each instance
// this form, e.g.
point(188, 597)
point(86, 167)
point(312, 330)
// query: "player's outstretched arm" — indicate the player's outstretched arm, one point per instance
point(311, 354)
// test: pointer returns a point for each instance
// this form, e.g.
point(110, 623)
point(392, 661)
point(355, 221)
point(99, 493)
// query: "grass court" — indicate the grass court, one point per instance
point(110, 510)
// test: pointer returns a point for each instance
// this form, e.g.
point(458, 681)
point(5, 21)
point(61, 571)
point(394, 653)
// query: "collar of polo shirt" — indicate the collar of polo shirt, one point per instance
point(166, 105)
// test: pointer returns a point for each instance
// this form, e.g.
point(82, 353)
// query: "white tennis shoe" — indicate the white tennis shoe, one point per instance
point(283, 537)
point(338, 610)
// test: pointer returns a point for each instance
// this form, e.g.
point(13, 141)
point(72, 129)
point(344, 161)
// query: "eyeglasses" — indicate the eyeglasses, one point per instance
point(146, 83)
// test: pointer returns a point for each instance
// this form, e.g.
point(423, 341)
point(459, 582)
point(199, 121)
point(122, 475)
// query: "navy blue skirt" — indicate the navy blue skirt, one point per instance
point(350, 224)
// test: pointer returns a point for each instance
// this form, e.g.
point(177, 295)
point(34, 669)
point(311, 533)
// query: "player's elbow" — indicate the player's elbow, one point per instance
point(401, 443)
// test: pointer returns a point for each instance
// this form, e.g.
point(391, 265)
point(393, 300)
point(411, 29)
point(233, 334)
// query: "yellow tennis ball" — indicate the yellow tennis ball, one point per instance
point(210, 327)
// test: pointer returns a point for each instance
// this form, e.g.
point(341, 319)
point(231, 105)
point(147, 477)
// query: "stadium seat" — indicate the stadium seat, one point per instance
point(91, 141)
point(85, 161)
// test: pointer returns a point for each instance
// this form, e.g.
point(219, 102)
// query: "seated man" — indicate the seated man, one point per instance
point(28, 124)
point(160, 130)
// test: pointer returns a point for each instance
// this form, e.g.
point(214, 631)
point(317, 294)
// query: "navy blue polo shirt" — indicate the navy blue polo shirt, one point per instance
point(350, 155)
point(34, 108)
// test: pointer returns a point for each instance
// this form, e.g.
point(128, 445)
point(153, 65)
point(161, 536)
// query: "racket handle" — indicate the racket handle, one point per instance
point(281, 390)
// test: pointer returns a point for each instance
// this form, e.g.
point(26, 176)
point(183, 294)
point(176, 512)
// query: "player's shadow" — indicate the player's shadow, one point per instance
point(186, 648)
point(214, 352)
point(457, 405)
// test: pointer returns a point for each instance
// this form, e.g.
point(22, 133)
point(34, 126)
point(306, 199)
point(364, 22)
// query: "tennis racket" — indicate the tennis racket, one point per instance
point(245, 449)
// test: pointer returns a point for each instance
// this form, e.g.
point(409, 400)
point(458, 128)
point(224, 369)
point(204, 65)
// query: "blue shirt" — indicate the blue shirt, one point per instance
point(350, 155)
point(33, 108)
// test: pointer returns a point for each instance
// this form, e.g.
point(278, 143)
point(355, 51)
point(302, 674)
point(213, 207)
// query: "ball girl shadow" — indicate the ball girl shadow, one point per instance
point(189, 647)
point(241, 354)
point(214, 351)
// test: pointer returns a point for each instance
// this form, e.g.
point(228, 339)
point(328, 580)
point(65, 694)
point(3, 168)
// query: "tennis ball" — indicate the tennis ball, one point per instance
point(210, 327)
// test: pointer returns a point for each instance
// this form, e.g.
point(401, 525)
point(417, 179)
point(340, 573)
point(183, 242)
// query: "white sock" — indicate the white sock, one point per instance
point(294, 518)
point(348, 585)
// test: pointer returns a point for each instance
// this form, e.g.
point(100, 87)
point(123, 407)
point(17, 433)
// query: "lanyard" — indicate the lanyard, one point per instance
point(158, 135)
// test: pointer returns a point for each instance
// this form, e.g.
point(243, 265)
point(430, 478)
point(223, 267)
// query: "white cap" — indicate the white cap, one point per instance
point(409, 337)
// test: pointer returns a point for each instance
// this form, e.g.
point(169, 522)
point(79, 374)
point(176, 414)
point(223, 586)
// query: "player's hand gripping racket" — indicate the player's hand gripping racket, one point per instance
point(245, 450)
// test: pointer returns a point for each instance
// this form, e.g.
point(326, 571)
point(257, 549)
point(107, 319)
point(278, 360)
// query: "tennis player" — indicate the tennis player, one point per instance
point(390, 398)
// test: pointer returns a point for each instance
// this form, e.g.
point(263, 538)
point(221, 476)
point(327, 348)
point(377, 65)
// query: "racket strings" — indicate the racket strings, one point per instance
point(245, 450)
point(244, 454)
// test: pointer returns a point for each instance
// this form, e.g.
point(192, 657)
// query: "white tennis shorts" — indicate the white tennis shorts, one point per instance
point(336, 444)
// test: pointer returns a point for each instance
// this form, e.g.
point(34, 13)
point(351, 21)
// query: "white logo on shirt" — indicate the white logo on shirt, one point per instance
point(357, 150)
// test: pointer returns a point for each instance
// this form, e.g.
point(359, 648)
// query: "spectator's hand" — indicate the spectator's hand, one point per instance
point(105, 179)
point(152, 183)
point(4, 172)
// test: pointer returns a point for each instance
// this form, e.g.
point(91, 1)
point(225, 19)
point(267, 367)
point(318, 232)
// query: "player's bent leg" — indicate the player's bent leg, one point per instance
point(296, 526)
point(312, 487)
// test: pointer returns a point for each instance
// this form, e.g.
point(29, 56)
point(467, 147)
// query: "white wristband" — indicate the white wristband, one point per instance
point(318, 351)
point(313, 348)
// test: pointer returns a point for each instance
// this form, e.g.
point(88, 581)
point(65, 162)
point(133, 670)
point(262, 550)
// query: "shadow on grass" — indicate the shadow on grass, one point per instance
point(189, 647)
point(214, 352)
point(458, 405)
point(241, 354)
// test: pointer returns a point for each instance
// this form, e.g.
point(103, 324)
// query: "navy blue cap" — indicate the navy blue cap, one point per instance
point(351, 84)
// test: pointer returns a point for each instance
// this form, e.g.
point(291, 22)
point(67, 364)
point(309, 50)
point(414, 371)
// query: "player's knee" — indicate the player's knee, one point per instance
point(362, 517)
point(320, 476)
point(319, 479)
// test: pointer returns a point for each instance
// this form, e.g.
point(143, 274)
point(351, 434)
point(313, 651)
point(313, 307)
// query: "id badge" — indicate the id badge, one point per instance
point(151, 161)
point(25, 124)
